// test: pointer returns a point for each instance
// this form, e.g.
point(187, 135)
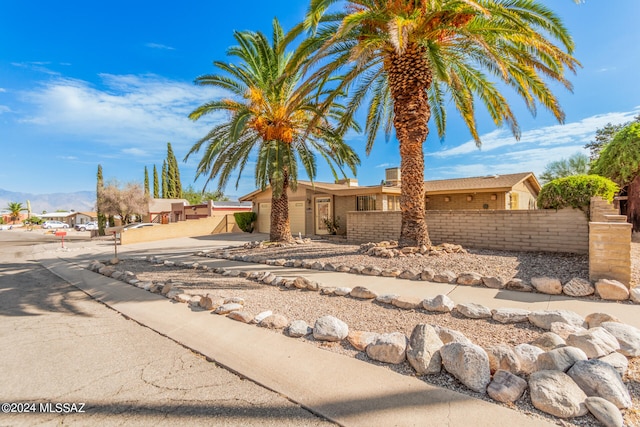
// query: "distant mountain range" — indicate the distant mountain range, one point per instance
point(81, 201)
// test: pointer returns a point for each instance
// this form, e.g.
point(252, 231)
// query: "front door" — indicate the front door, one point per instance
point(323, 212)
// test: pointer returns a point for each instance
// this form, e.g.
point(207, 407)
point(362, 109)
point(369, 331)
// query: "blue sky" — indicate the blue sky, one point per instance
point(110, 83)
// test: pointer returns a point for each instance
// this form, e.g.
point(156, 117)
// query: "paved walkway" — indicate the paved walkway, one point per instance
point(342, 389)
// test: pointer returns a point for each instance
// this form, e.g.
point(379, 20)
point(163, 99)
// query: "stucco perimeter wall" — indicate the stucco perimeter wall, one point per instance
point(566, 230)
point(191, 228)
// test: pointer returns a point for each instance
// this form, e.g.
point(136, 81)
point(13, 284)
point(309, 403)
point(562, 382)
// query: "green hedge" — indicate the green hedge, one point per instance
point(245, 220)
point(576, 192)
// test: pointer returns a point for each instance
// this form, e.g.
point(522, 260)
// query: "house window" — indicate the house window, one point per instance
point(393, 203)
point(366, 203)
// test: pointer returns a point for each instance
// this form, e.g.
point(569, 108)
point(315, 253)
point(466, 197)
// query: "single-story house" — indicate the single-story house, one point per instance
point(164, 211)
point(66, 217)
point(84, 217)
point(314, 203)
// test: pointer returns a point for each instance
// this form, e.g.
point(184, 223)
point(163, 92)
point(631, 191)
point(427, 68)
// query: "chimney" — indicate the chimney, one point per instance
point(392, 176)
point(349, 182)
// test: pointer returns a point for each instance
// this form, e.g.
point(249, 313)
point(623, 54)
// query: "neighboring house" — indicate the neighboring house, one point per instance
point(312, 203)
point(84, 217)
point(7, 219)
point(164, 211)
point(66, 217)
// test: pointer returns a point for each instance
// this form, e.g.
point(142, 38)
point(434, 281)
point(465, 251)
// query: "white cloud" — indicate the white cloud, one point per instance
point(384, 165)
point(573, 133)
point(4, 109)
point(159, 46)
point(67, 157)
point(134, 152)
point(146, 111)
point(36, 66)
point(2, 89)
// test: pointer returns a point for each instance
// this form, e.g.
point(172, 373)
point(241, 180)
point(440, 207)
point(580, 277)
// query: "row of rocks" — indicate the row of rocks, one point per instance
point(390, 249)
point(577, 287)
point(574, 368)
point(262, 244)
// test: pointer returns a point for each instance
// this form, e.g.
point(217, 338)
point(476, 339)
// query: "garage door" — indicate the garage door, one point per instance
point(296, 217)
point(264, 217)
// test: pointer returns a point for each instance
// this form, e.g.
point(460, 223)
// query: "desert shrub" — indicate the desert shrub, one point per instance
point(576, 192)
point(245, 220)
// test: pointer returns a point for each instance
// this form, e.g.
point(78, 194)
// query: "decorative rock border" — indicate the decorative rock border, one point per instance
point(606, 289)
point(578, 357)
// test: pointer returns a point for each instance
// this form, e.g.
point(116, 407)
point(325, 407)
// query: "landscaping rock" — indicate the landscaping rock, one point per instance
point(510, 315)
point(634, 294)
point(493, 282)
point(595, 342)
point(275, 321)
point(528, 356)
point(391, 272)
point(445, 277)
point(330, 328)
point(423, 352)
point(518, 285)
point(210, 302)
point(560, 359)
point(194, 301)
point(261, 316)
point(555, 393)
point(469, 363)
point(563, 330)
point(604, 411)
point(386, 298)
point(327, 291)
point(628, 337)
point(549, 341)
point(408, 303)
point(506, 387)
point(372, 271)
point(597, 378)
point(596, 319)
point(342, 291)
point(474, 311)
point(329, 267)
point(240, 316)
point(234, 300)
point(313, 286)
point(450, 335)
point(358, 269)
point(439, 303)
point(619, 362)
point(469, 279)
point(612, 290)
point(502, 357)
point(363, 293)
point(228, 308)
point(184, 298)
point(547, 285)
point(361, 339)
point(578, 287)
point(409, 275)
point(317, 266)
point(388, 348)
point(298, 328)
point(427, 275)
point(343, 269)
point(544, 318)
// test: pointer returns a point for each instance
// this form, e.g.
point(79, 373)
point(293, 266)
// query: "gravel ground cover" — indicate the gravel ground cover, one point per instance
point(374, 317)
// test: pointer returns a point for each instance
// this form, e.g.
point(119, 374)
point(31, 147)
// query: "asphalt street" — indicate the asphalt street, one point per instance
point(62, 352)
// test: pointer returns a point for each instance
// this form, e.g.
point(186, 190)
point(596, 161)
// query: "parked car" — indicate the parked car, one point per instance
point(55, 224)
point(93, 225)
point(138, 225)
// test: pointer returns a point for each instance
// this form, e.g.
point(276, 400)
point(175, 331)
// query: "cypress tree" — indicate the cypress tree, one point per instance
point(146, 181)
point(156, 186)
point(165, 181)
point(99, 188)
point(175, 186)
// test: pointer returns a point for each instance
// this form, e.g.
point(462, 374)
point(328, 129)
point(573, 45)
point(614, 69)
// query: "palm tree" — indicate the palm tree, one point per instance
point(406, 58)
point(273, 118)
point(15, 208)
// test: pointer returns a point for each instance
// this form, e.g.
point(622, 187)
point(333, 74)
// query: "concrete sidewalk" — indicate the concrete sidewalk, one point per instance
point(342, 389)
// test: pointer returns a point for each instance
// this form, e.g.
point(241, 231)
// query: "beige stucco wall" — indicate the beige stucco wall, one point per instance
point(460, 202)
point(527, 230)
point(198, 227)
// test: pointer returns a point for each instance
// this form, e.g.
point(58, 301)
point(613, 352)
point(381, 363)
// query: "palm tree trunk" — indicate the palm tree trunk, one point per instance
point(280, 230)
point(409, 78)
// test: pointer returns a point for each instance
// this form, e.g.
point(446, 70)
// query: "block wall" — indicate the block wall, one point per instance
point(566, 230)
point(216, 224)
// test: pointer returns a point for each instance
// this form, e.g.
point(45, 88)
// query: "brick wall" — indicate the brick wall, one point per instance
point(535, 230)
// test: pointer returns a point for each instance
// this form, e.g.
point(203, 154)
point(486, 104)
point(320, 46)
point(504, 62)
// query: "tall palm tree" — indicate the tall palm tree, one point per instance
point(15, 208)
point(407, 58)
point(272, 118)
